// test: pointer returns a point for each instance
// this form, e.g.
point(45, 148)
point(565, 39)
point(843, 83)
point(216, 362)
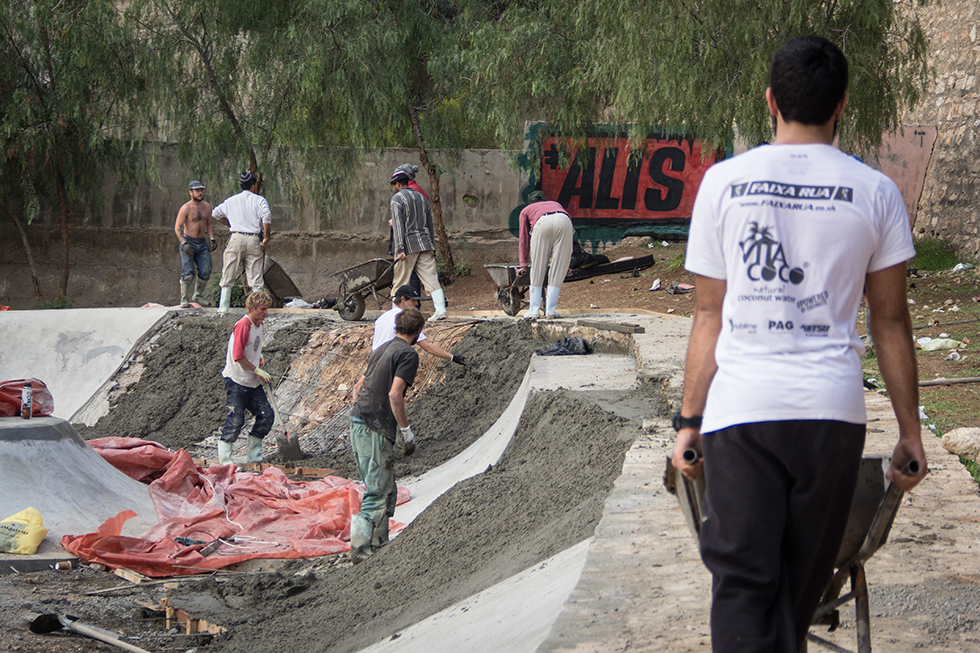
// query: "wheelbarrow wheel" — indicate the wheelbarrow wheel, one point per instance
point(350, 306)
point(510, 300)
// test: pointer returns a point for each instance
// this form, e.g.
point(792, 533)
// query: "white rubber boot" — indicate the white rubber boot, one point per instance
point(199, 287)
point(439, 303)
point(254, 450)
point(225, 300)
point(534, 299)
point(551, 303)
point(185, 294)
point(224, 453)
point(361, 532)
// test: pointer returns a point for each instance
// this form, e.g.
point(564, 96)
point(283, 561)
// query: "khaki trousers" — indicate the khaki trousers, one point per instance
point(551, 239)
point(425, 264)
point(243, 250)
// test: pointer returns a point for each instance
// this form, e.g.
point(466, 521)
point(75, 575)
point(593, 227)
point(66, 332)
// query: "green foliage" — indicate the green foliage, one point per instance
point(676, 262)
point(696, 67)
point(933, 255)
point(60, 302)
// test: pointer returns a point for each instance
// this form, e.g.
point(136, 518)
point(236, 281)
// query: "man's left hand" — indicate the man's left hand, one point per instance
point(214, 244)
point(400, 257)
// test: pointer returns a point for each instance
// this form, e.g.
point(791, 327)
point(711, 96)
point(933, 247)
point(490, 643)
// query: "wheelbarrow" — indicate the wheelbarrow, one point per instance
point(510, 286)
point(359, 281)
point(869, 521)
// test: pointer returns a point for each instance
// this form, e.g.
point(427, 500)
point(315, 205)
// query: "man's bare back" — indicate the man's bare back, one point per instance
point(194, 220)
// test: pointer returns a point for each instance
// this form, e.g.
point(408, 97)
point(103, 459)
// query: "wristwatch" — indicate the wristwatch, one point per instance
point(680, 422)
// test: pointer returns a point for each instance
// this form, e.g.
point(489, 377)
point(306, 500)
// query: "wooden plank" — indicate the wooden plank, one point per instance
point(129, 575)
point(611, 326)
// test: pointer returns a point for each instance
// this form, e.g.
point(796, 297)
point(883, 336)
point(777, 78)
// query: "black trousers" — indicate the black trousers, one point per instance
point(778, 497)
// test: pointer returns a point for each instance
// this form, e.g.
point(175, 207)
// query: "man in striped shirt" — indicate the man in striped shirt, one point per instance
point(414, 240)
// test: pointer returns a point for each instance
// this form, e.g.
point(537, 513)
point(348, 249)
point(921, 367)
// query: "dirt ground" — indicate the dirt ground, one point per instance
point(512, 516)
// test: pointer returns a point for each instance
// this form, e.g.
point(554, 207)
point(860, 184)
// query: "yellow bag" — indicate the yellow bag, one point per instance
point(22, 533)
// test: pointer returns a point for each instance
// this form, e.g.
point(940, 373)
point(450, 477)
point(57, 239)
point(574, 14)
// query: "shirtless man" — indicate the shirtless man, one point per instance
point(193, 223)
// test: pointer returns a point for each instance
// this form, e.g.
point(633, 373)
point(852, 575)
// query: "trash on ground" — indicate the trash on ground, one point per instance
point(938, 344)
point(656, 285)
point(567, 347)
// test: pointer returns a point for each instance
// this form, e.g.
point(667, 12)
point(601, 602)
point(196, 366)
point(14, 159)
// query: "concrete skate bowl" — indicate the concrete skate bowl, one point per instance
point(509, 538)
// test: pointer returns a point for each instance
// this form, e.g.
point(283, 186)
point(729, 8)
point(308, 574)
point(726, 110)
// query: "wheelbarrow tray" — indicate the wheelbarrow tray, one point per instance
point(277, 282)
point(379, 271)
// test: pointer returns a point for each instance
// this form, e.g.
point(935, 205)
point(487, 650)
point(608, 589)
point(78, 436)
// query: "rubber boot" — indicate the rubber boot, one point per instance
point(199, 287)
point(534, 299)
point(551, 302)
point(361, 532)
point(224, 452)
point(185, 293)
point(439, 303)
point(254, 450)
point(225, 300)
point(380, 537)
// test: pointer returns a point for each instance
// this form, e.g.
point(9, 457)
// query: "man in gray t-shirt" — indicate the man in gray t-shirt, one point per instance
point(378, 412)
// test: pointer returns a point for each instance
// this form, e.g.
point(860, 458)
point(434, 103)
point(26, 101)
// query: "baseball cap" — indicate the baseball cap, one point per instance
point(194, 185)
point(407, 292)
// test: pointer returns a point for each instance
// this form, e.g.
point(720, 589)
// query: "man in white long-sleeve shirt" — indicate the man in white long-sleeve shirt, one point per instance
point(248, 217)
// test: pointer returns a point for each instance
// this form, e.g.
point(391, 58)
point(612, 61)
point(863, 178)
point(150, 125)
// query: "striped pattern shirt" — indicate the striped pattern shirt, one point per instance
point(411, 219)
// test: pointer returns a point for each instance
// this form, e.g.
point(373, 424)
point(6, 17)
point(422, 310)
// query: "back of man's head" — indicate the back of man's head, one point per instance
point(409, 322)
point(808, 78)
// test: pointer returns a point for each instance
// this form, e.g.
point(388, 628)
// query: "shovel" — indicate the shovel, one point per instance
point(49, 623)
point(288, 446)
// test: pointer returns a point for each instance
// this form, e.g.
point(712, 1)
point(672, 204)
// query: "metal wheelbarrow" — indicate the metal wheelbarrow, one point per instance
point(510, 286)
point(873, 510)
point(359, 281)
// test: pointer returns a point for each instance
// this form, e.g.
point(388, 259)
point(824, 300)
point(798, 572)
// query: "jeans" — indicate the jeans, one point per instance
point(240, 399)
point(201, 258)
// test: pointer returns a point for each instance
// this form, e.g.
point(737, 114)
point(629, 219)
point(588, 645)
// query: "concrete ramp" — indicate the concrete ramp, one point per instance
point(44, 464)
point(73, 351)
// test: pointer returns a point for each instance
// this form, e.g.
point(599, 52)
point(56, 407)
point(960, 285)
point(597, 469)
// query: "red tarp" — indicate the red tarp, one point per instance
point(255, 516)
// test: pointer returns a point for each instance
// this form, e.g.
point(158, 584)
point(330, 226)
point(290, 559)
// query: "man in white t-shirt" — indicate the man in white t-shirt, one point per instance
point(384, 327)
point(784, 238)
point(248, 217)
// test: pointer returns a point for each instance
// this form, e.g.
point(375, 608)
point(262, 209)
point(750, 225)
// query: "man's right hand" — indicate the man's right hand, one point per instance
point(262, 374)
point(188, 250)
point(214, 244)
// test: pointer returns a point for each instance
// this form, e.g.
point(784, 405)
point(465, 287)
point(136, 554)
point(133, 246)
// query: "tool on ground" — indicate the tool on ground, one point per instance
point(289, 449)
point(49, 623)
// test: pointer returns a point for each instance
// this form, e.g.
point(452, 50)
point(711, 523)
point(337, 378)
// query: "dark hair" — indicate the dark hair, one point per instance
point(409, 322)
point(808, 79)
point(536, 196)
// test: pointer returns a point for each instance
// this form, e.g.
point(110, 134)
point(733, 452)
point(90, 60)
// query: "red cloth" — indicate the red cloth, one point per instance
point(268, 515)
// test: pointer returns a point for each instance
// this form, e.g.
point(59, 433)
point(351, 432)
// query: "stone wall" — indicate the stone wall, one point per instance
point(948, 206)
point(127, 254)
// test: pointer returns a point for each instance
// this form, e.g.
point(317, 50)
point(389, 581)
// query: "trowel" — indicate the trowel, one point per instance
point(288, 446)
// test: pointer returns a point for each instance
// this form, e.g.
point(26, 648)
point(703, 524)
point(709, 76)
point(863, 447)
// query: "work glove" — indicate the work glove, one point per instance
point(188, 250)
point(409, 440)
point(214, 244)
point(262, 374)
point(459, 360)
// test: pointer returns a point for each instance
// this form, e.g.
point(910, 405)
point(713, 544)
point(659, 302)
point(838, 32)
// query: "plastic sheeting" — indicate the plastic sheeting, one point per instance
point(248, 515)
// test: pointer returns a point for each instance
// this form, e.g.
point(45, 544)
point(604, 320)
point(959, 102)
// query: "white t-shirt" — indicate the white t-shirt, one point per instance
point(384, 328)
point(793, 230)
point(246, 212)
point(245, 341)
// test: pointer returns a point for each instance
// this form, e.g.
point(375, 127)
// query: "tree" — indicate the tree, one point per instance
point(65, 84)
point(307, 87)
point(697, 66)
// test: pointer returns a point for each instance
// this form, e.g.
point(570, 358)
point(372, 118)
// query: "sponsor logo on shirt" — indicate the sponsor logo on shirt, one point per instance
point(780, 326)
point(743, 326)
point(816, 330)
point(766, 258)
point(796, 191)
point(810, 303)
